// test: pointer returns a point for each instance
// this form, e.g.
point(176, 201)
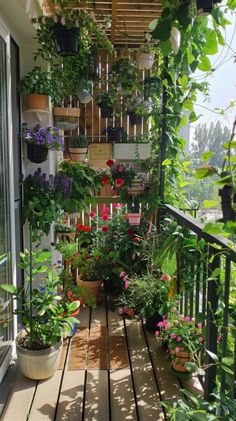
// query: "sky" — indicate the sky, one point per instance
point(222, 81)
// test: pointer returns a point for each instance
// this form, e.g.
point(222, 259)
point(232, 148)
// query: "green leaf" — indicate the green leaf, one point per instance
point(152, 25)
point(200, 415)
point(204, 64)
point(210, 203)
point(227, 369)
point(213, 356)
point(162, 31)
point(179, 415)
point(211, 46)
point(229, 144)
point(227, 360)
point(9, 288)
point(193, 117)
point(205, 171)
point(188, 105)
point(192, 367)
point(166, 162)
point(207, 155)
point(231, 4)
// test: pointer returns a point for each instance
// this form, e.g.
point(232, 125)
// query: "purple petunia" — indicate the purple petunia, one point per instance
point(43, 136)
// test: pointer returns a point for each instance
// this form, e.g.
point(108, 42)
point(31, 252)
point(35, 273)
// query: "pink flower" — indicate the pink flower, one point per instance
point(122, 274)
point(126, 283)
point(179, 338)
point(119, 182)
point(173, 335)
point(176, 322)
point(161, 324)
point(91, 214)
point(176, 349)
point(157, 333)
point(118, 205)
point(105, 217)
point(105, 210)
point(165, 277)
point(105, 228)
point(200, 339)
point(199, 325)
point(167, 325)
point(187, 319)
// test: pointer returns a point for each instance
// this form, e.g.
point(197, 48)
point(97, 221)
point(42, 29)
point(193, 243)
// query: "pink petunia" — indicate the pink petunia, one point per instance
point(187, 319)
point(105, 217)
point(157, 333)
point(199, 325)
point(173, 335)
point(200, 339)
point(105, 210)
point(179, 338)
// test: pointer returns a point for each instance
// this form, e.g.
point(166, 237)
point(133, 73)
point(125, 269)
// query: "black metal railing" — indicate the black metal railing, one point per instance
point(211, 296)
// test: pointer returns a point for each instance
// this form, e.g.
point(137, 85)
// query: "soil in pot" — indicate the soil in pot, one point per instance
point(37, 153)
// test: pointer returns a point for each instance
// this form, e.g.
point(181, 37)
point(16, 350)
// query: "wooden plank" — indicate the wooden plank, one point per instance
point(19, 402)
point(63, 354)
point(98, 347)
point(78, 349)
point(122, 398)
point(71, 397)
point(118, 355)
point(97, 396)
point(145, 386)
point(6, 385)
point(45, 400)
point(168, 384)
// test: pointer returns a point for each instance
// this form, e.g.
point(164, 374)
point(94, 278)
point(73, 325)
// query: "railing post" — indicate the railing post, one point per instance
point(211, 327)
point(163, 137)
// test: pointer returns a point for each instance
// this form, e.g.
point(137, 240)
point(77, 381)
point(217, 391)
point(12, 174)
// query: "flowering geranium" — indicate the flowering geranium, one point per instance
point(182, 333)
point(122, 175)
point(47, 137)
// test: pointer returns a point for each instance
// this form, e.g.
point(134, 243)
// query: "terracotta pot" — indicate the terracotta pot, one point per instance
point(78, 154)
point(134, 218)
point(145, 61)
point(93, 286)
point(38, 364)
point(179, 359)
point(35, 102)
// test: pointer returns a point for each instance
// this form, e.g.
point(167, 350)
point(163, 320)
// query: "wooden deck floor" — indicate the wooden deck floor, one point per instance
point(111, 370)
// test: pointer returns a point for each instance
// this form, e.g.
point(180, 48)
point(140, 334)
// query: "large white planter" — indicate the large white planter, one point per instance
point(130, 151)
point(38, 364)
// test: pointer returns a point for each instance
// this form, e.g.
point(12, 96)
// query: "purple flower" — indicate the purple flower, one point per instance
point(43, 136)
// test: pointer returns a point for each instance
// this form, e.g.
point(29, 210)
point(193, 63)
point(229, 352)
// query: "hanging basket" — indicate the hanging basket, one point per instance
point(134, 218)
point(137, 186)
point(66, 39)
point(115, 134)
point(204, 7)
point(145, 61)
point(106, 112)
point(66, 118)
point(37, 153)
point(135, 119)
point(78, 154)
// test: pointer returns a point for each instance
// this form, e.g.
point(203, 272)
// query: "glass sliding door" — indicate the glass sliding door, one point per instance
point(5, 257)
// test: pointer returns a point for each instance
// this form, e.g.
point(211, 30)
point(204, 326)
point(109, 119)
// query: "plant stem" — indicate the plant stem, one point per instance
point(30, 283)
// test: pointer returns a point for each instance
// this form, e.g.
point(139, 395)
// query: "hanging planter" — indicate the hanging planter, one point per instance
point(84, 92)
point(35, 102)
point(66, 39)
point(226, 203)
point(66, 118)
point(105, 101)
point(137, 186)
point(135, 119)
point(115, 134)
point(204, 7)
point(106, 112)
point(134, 218)
point(36, 153)
point(145, 61)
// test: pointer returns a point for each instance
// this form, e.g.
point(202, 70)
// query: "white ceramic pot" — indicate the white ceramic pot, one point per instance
point(38, 364)
point(145, 61)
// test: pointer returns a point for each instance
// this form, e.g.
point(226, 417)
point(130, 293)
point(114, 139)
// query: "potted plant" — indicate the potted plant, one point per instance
point(36, 86)
point(66, 118)
point(124, 74)
point(137, 185)
point(84, 91)
point(121, 176)
point(145, 56)
point(133, 212)
point(106, 102)
point(40, 140)
point(75, 292)
point(45, 314)
point(115, 134)
point(62, 229)
point(185, 338)
point(78, 147)
point(138, 108)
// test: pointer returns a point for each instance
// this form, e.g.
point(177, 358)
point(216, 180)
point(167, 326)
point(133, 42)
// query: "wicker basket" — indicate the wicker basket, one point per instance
point(66, 118)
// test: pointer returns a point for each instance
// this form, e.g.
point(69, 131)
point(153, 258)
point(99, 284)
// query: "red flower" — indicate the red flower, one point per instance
point(119, 182)
point(105, 210)
point(105, 228)
point(130, 232)
point(80, 227)
point(91, 214)
point(118, 205)
point(105, 217)
point(87, 228)
point(69, 294)
point(137, 239)
point(110, 162)
point(104, 180)
point(96, 258)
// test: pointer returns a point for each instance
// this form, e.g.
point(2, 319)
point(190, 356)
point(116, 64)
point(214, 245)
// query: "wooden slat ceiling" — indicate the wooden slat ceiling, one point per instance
point(130, 18)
